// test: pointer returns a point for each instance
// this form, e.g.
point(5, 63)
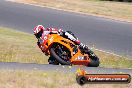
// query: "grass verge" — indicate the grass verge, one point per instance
point(41, 79)
point(21, 47)
point(114, 10)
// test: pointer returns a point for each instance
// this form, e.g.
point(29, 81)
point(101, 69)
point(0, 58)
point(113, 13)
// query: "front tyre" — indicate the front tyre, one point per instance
point(58, 57)
point(53, 61)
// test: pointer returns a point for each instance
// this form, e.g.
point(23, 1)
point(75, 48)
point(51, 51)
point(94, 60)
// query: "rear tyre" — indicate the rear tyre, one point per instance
point(94, 61)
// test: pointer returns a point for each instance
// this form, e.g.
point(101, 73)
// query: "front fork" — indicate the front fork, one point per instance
point(83, 51)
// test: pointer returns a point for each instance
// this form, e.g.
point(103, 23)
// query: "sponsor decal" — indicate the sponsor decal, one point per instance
point(80, 58)
point(84, 78)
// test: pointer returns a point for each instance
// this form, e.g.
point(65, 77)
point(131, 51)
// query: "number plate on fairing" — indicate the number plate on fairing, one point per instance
point(81, 58)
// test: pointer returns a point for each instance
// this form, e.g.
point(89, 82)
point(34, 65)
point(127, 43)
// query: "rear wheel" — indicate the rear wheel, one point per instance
point(94, 61)
point(61, 54)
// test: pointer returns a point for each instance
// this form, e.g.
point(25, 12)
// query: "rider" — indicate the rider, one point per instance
point(40, 32)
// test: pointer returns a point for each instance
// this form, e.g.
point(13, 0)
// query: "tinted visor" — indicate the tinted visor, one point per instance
point(39, 34)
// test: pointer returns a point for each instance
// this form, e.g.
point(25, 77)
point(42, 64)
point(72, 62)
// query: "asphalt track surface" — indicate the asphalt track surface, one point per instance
point(46, 67)
point(105, 34)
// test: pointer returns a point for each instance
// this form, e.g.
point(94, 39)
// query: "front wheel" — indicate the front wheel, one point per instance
point(53, 61)
point(61, 55)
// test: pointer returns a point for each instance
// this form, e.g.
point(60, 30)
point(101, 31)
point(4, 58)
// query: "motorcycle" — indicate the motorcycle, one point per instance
point(65, 52)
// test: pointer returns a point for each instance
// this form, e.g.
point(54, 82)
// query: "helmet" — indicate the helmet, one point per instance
point(38, 30)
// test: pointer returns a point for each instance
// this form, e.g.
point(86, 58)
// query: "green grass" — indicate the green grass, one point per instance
point(21, 47)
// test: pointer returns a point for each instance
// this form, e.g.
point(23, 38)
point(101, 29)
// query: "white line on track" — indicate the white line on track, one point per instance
point(107, 52)
point(101, 16)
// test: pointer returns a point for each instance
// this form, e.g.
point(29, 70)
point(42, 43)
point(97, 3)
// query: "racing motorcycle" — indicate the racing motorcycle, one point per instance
point(65, 52)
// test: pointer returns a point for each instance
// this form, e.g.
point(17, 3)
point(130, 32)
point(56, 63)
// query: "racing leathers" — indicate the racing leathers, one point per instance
point(66, 34)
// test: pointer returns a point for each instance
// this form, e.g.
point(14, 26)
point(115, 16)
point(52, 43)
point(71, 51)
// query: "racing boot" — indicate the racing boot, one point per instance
point(75, 49)
point(84, 48)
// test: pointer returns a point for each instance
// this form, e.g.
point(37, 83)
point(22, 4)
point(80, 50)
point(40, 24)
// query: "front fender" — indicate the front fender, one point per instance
point(56, 39)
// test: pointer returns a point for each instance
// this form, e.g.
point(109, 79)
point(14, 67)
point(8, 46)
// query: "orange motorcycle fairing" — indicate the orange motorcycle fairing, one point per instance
point(77, 58)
